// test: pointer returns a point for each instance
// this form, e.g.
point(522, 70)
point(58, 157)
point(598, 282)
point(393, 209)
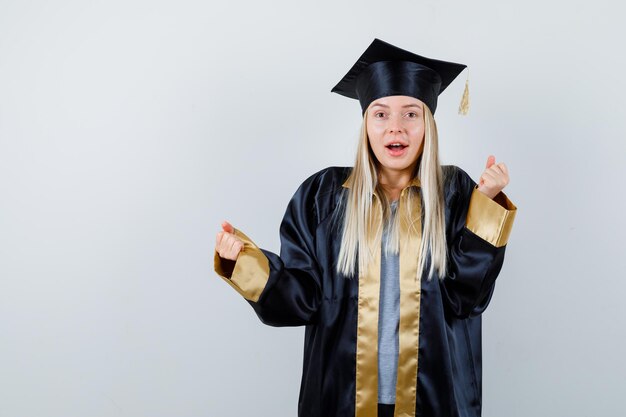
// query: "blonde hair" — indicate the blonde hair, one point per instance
point(357, 224)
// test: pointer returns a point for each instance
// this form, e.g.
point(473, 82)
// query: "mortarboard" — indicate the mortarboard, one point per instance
point(386, 70)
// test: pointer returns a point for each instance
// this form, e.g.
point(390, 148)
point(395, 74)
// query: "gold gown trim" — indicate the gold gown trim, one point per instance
point(492, 220)
point(410, 296)
point(251, 271)
point(367, 329)
point(368, 309)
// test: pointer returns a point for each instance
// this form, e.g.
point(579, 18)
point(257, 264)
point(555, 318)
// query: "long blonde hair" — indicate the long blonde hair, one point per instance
point(357, 224)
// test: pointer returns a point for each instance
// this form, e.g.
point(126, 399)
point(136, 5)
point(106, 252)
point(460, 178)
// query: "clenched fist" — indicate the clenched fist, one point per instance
point(227, 244)
point(494, 178)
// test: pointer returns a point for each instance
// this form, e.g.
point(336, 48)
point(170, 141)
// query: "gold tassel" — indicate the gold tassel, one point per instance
point(464, 106)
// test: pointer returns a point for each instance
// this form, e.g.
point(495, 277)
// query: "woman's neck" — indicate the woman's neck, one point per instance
point(393, 182)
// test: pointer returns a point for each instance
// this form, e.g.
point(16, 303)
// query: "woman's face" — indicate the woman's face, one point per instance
point(396, 120)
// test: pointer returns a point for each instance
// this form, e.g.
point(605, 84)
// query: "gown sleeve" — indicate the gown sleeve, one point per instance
point(480, 231)
point(283, 290)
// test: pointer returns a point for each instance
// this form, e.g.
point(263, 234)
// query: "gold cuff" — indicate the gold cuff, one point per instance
point(250, 272)
point(492, 220)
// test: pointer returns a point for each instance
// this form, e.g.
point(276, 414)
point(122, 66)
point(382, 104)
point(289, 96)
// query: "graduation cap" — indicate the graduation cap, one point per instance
point(386, 70)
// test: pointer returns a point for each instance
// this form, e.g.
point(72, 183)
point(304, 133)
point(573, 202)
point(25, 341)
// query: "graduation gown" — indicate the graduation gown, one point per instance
point(439, 364)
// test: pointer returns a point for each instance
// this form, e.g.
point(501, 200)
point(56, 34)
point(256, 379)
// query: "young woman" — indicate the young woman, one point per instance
point(390, 263)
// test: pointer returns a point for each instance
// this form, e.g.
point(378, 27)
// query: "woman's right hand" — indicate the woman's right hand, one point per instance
point(227, 244)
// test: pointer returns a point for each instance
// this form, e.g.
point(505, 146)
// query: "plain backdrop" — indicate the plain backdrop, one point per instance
point(129, 130)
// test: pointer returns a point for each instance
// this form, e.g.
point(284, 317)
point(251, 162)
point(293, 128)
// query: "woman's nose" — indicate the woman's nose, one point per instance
point(395, 124)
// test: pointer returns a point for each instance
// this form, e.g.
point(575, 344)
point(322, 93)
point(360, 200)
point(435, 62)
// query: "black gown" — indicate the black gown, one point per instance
point(439, 366)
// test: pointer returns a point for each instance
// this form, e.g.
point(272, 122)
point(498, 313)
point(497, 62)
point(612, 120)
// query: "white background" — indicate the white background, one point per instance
point(130, 129)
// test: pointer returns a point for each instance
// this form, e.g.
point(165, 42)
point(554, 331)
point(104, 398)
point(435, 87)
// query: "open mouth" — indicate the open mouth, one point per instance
point(396, 149)
point(396, 146)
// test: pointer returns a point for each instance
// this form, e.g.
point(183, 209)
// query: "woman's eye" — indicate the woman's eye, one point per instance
point(381, 114)
point(412, 115)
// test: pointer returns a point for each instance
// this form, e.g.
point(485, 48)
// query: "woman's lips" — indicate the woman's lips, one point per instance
point(396, 150)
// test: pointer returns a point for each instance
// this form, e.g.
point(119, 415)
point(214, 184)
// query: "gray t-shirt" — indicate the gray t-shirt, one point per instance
point(388, 321)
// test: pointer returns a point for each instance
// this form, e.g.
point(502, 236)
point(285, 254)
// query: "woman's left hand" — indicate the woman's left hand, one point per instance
point(494, 178)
